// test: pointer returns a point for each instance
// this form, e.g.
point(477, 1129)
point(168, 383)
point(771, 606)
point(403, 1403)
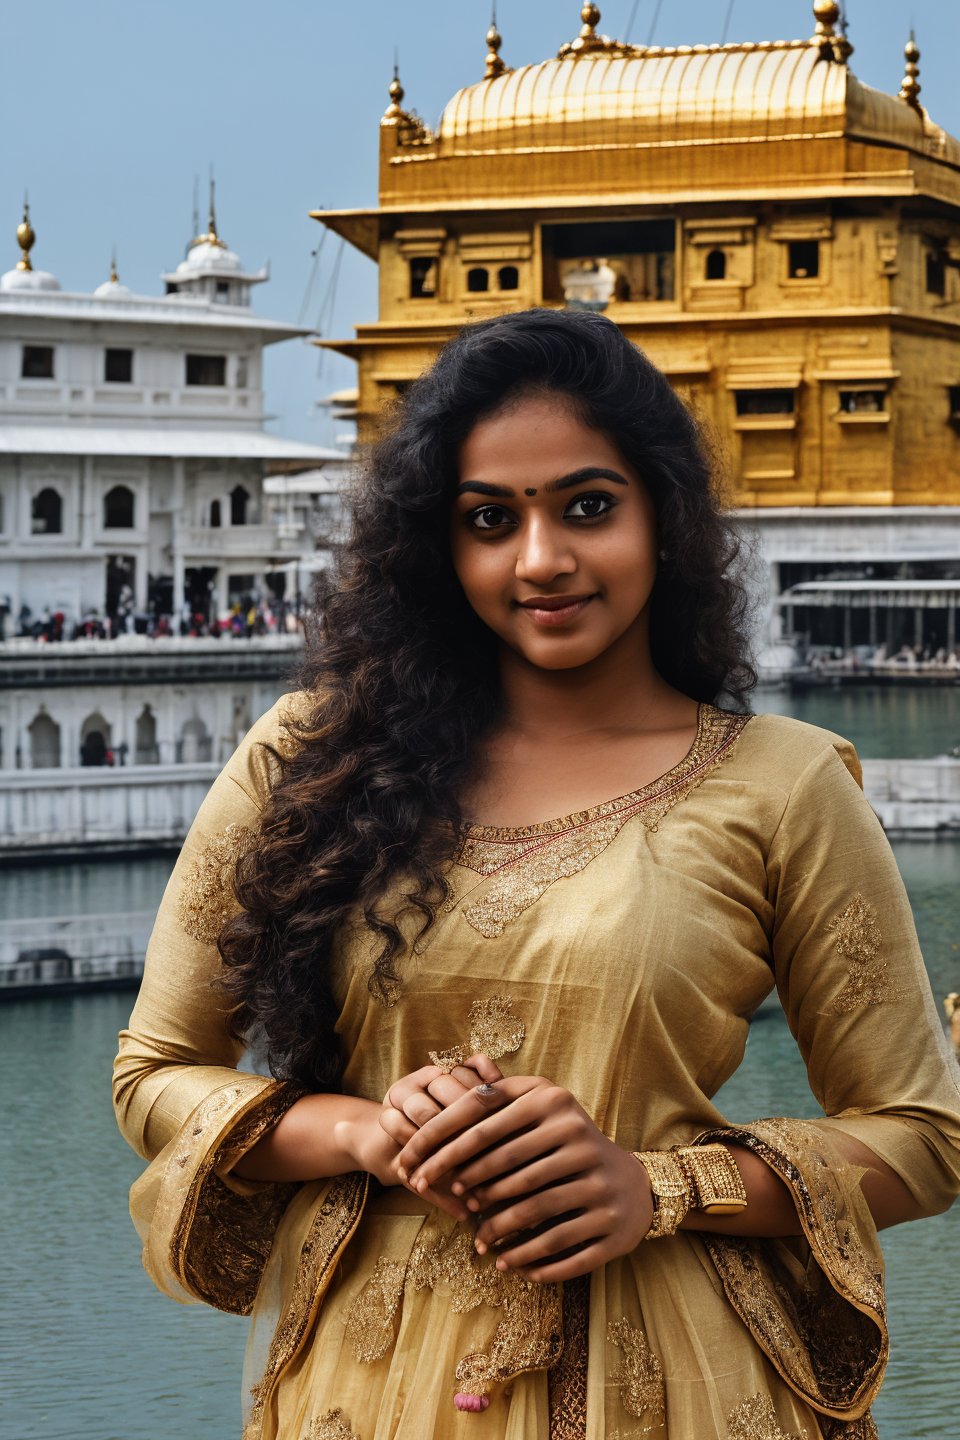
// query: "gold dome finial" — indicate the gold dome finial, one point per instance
point(394, 110)
point(26, 237)
point(495, 65)
point(212, 237)
point(590, 15)
point(826, 13)
point(114, 277)
point(910, 85)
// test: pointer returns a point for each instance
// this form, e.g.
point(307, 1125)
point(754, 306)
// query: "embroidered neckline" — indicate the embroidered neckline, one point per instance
point(715, 729)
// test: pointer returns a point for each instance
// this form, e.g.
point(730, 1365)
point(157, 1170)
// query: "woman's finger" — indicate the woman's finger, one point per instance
point(550, 1169)
point(517, 1154)
point(396, 1125)
point(526, 1213)
point(584, 1261)
point(530, 1110)
point(579, 1230)
point(416, 1081)
point(488, 1070)
point(472, 1111)
point(420, 1108)
point(448, 1089)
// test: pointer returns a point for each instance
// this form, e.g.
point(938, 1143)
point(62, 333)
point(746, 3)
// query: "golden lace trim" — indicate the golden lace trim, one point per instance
point(222, 1239)
point(206, 900)
point(859, 940)
point(639, 1374)
point(863, 1429)
point(333, 1225)
point(332, 1426)
point(567, 1379)
point(527, 1335)
point(756, 1419)
point(525, 862)
point(370, 1317)
point(826, 1334)
point(494, 1031)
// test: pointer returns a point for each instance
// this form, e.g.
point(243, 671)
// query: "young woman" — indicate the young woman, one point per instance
point(488, 1194)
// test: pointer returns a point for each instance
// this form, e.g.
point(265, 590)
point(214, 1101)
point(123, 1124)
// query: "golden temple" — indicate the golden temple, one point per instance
point(782, 239)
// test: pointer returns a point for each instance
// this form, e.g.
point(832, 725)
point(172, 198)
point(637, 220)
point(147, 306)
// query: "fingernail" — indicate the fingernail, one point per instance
point(480, 1247)
point(421, 1185)
point(402, 1173)
point(457, 1188)
point(473, 1204)
point(502, 1264)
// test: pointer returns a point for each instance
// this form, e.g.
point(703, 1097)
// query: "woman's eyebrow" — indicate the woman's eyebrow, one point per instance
point(576, 477)
point(480, 487)
point(586, 472)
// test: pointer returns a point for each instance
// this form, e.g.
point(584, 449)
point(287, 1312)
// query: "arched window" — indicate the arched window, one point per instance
point(215, 521)
point(44, 742)
point(716, 268)
point(478, 279)
point(94, 740)
point(239, 500)
point(508, 277)
point(195, 742)
point(118, 508)
point(47, 512)
point(146, 751)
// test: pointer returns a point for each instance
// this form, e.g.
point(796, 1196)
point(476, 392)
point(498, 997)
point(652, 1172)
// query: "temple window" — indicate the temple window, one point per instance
point(206, 369)
point(765, 402)
point(44, 735)
point(118, 508)
point(46, 512)
point(953, 395)
point(803, 259)
point(118, 367)
point(508, 277)
point(239, 501)
point(423, 278)
point(716, 266)
point(222, 291)
point(862, 402)
point(37, 362)
point(588, 264)
point(171, 288)
point(215, 514)
point(936, 274)
point(478, 279)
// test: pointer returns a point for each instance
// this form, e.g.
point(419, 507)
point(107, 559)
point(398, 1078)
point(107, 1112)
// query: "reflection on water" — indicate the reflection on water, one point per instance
point(884, 722)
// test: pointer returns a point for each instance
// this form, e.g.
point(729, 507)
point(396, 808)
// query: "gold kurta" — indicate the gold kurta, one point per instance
point(620, 952)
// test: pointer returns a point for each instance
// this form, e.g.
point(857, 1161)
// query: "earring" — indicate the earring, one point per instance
point(663, 554)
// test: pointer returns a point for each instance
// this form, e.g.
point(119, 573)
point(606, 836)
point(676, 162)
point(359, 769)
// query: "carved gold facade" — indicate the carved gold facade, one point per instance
point(783, 240)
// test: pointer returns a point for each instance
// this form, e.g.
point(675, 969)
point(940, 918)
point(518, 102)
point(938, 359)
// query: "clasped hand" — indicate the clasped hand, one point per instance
point(553, 1196)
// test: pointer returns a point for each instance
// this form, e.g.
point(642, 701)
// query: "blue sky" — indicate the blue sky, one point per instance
point(110, 108)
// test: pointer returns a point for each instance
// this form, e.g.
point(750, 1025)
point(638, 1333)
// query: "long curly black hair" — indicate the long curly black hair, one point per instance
point(401, 677)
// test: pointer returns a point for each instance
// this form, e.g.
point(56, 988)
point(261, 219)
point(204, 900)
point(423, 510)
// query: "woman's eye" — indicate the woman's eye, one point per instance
point(490, 517)
point(589, 507)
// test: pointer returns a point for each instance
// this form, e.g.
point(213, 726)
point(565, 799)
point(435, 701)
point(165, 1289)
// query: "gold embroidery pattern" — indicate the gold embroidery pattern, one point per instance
point(639, 1374)
point(863, 1429)
point(756, 1419)
point(523, 863)
point(567, 1379)
point(206, 900)
point(370, 1318)
point(826, 1334)
point(528, 1334)
point(494, 1031)
point(332, 1426)
point(859, 940)
point(222, 1239)
point(334, 1223)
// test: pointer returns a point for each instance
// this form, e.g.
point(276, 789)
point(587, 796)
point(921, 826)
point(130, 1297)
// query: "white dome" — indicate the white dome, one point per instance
point(204, 255)
point(113, 290)
point(29, 280)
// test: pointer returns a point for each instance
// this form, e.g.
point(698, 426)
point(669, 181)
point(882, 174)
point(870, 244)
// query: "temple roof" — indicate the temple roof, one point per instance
point(694, 94)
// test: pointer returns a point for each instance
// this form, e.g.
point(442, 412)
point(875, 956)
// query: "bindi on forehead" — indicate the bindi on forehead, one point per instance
point(529, 491)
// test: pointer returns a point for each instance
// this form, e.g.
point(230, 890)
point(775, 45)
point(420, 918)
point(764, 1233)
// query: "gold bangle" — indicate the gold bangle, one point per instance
point(714, 1178)
point(671, 1191)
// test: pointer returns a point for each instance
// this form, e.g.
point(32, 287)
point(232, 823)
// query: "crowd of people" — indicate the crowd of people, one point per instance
point(243, 620)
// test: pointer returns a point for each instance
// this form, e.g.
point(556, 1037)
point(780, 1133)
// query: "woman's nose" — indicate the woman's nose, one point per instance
point(545, 552)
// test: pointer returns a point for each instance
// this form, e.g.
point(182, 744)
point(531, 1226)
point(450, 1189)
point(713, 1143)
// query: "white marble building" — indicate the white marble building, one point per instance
point(132, 449)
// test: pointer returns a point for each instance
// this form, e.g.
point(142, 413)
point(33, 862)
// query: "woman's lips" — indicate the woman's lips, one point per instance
point(553, 610)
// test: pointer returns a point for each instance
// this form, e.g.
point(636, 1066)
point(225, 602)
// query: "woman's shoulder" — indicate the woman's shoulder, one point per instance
point(271, 739)
point(784, 747)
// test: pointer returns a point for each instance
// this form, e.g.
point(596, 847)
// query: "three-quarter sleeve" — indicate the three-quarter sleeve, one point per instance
point(855, 992)
point(180, 1100)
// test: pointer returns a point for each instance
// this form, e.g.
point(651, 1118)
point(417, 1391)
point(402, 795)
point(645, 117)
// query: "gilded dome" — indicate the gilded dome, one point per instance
point(687, 94)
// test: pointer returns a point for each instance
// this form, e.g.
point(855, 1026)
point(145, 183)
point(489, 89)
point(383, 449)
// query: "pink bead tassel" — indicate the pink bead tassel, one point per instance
point(470, 1402)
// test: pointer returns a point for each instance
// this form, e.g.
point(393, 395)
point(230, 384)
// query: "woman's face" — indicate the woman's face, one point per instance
point(553, 534)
